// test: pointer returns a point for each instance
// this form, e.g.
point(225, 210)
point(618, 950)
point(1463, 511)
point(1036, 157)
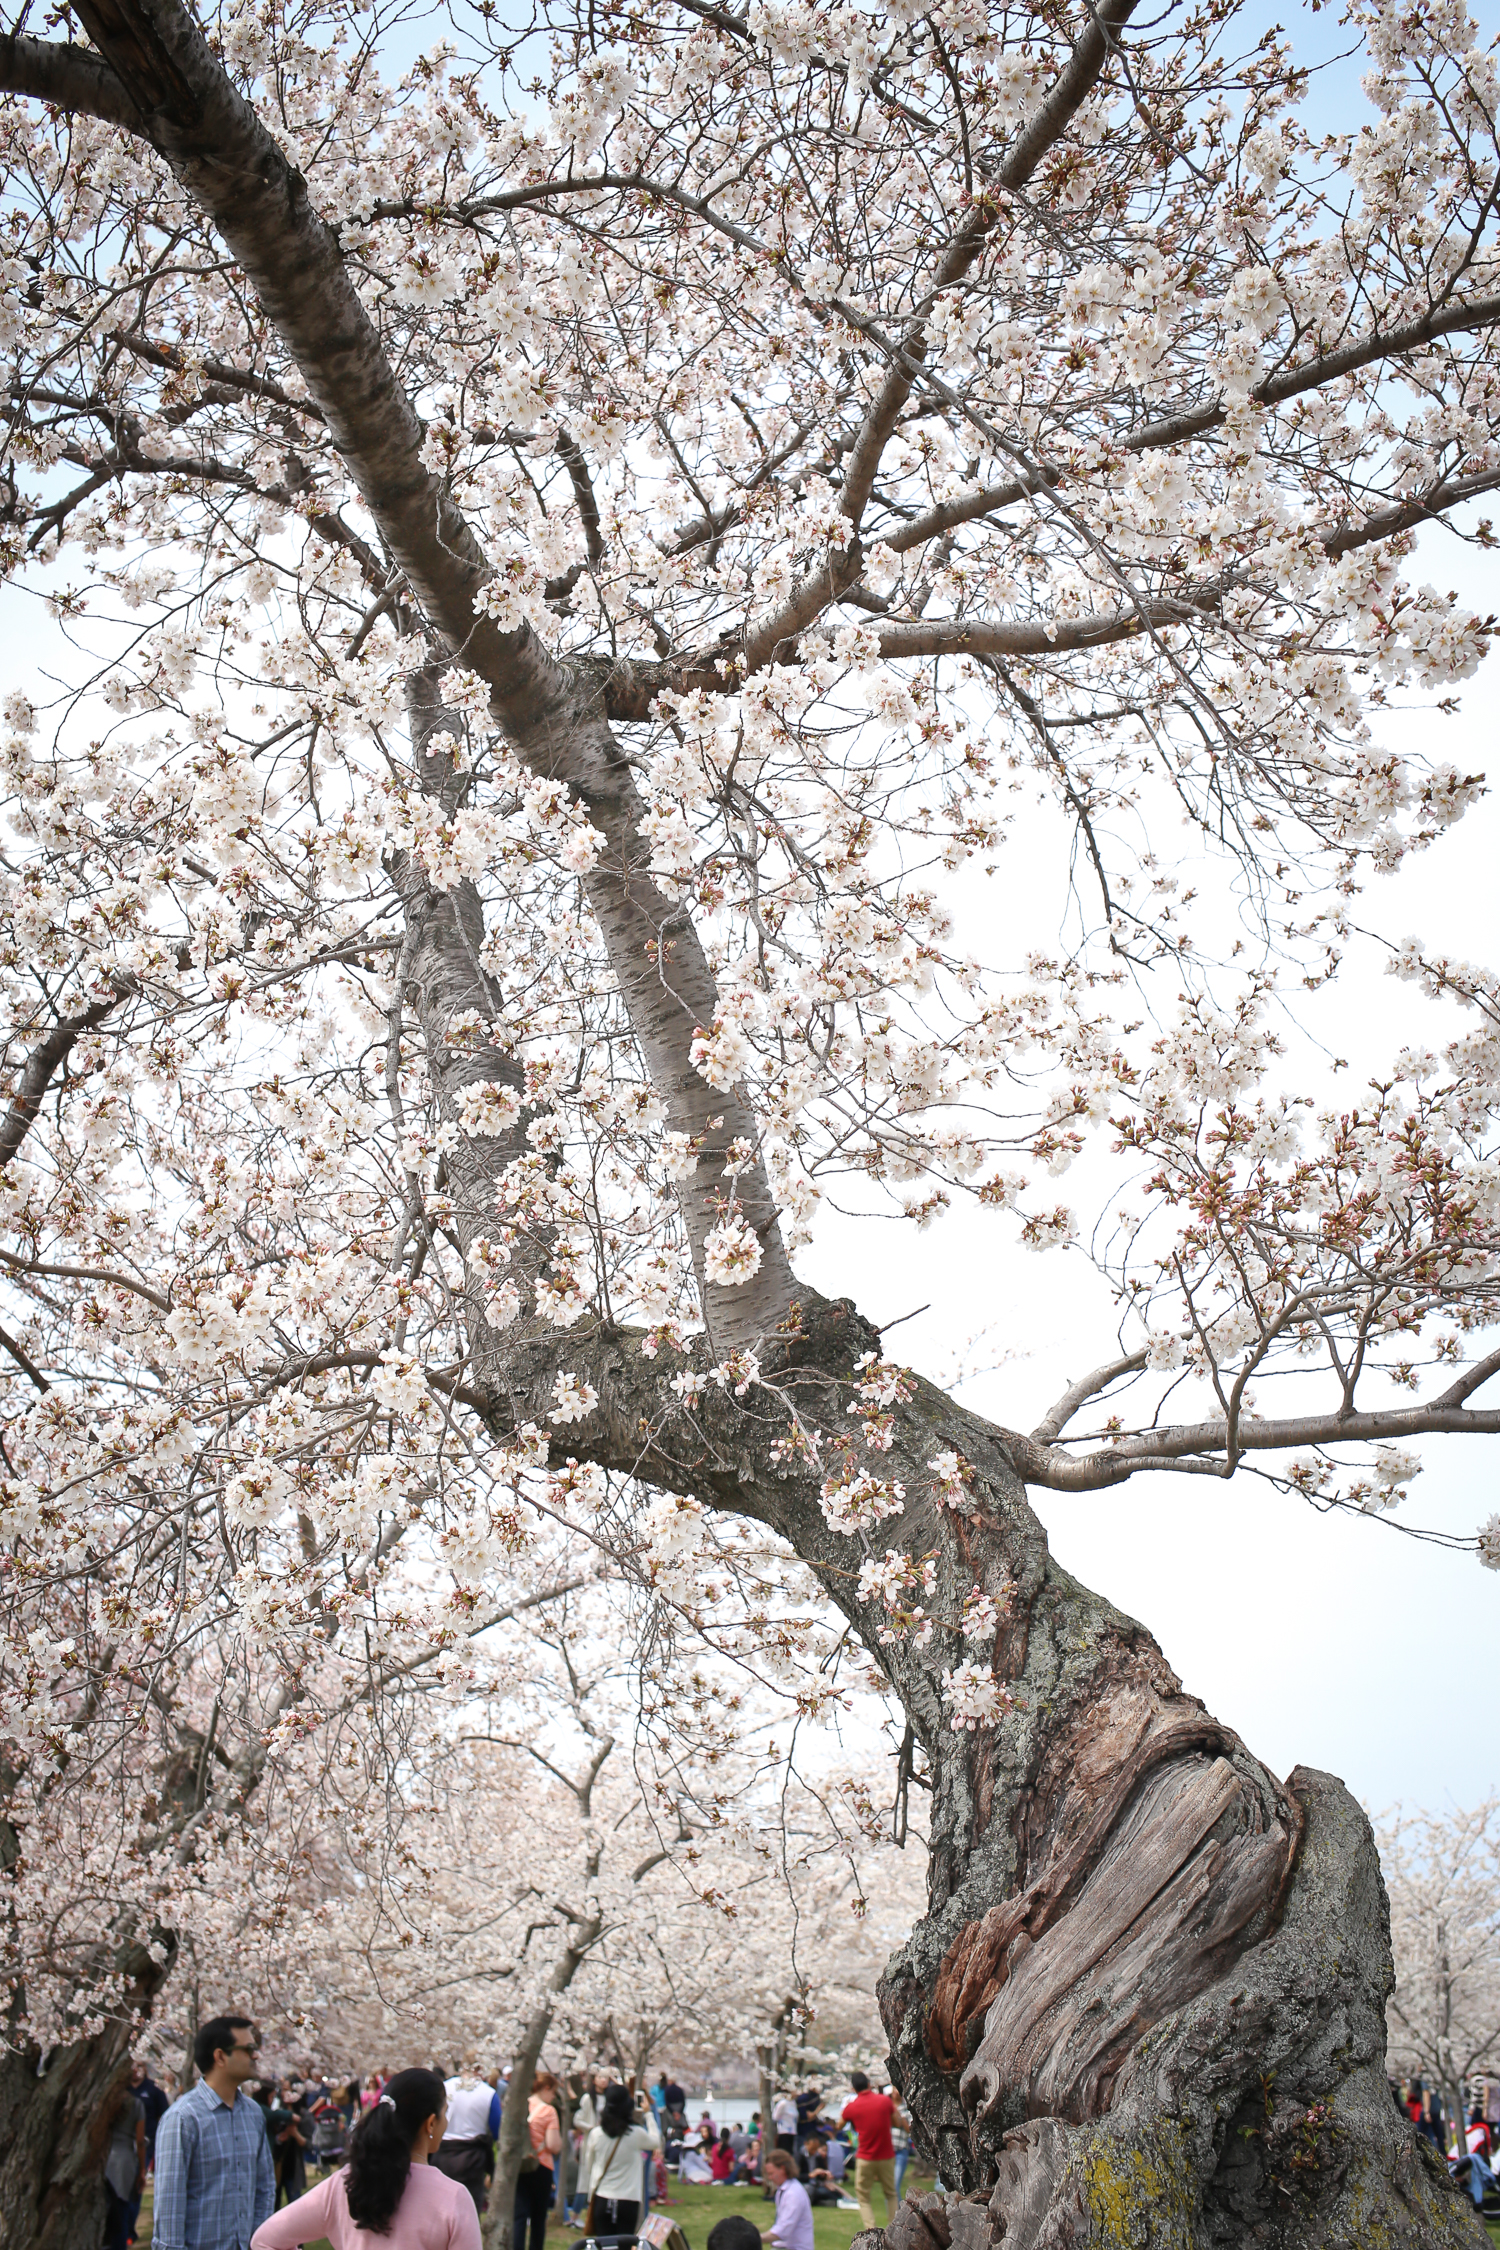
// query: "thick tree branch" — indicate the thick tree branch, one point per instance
point(108, 1276)
point(67, 77)
point(1208, 1445)
point(554, 713)
point(1311, 374)
point(42, 1064)
point(1059, 1415)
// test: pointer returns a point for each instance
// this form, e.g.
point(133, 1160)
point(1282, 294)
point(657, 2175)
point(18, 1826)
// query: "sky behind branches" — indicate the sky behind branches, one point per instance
point(1325, 1639)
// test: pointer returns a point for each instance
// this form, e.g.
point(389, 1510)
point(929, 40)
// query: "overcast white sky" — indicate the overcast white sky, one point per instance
point(1323, 1639)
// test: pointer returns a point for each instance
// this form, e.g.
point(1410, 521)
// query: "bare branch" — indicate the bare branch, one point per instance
point(1061, 1413)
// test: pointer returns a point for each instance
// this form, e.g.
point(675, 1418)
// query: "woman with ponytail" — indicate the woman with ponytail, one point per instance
point(612, 2159)
point(388, 2196)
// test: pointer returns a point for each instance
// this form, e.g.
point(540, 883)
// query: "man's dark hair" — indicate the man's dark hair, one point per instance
point(735, 2232)
point(218, 2032)
point(859, 2082)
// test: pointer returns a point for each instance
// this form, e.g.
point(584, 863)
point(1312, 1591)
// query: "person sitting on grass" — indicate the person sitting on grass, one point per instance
point(821, 2186)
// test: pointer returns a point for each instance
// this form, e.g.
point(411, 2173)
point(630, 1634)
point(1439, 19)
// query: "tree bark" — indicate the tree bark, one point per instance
point(1147, 2003)
point(515, 2131)
point(515, 2134)
point(53, 2128)
point(770, 2061)
point(55, 2110)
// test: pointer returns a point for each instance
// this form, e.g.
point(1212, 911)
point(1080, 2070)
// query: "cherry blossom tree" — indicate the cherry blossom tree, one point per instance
point(1442, 1875)
point(552, 1889)
point(576, 544)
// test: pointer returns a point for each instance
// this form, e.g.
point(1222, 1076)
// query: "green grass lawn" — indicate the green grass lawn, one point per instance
point(695, 2210)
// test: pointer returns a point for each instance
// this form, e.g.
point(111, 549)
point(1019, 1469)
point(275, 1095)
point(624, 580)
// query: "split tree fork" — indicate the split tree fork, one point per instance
point(1146, 2005)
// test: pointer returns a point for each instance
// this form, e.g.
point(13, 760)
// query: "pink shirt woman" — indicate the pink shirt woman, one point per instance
point(434, 2213)
point(387, 2197)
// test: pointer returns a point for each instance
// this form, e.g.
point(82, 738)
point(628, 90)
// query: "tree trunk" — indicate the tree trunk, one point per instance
point(564, 2106)
point(1147, 2003)
point(53, 2130)
point(515, 2132)
point(55, 2107)
point(55, 2112)
point(770, 2056)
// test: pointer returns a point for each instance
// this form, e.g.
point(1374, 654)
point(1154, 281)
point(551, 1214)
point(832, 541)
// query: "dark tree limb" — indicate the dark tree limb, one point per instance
point(42, 1065)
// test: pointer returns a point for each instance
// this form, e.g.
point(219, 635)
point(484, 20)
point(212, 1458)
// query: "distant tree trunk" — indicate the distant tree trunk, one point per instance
point(770, 2056)
point(515, 2132)
point(565, 2130)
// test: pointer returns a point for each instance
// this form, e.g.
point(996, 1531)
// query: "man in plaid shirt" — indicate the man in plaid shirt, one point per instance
point(214, 2179)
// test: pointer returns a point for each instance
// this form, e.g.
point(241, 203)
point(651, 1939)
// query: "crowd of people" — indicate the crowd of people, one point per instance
point(411, 2155)
point(866, 2141)
point(1469, 2138)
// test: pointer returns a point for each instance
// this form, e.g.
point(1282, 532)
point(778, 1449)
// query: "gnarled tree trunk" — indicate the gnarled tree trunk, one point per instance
point(55, 2114)
point(53, 2129)
point(1147, 2003)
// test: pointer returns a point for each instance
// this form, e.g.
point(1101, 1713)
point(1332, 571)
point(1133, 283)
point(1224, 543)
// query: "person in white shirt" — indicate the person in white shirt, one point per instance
point(467, 2154)
point(596, 2084)
point(611, 2166)
point(592, 2087)
point(784, 2118)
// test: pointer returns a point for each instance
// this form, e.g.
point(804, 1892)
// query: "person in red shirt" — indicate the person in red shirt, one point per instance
point(872, 2116)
